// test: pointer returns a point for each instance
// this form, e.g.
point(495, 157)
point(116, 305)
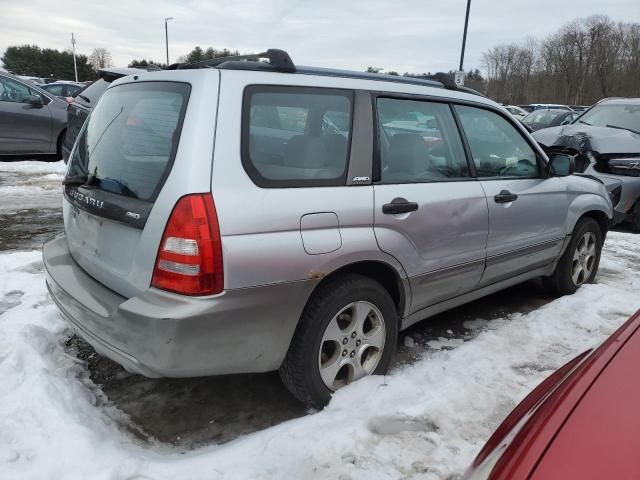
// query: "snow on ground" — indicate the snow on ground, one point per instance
point(30, 185)
point(423, 421)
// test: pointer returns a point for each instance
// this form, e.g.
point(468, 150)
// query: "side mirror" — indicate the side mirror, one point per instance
point(35, 100)
point(561, 165)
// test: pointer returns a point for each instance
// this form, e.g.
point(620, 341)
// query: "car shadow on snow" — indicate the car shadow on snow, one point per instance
point(193, 412)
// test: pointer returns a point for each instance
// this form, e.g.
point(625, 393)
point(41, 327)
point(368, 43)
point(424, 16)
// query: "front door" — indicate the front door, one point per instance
point(527, 210)
point(24, 128)
point(430, 214)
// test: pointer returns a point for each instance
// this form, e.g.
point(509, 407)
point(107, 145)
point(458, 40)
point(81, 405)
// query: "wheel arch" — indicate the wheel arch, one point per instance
point(593, 206)
point(381, 272)
point(600, 217)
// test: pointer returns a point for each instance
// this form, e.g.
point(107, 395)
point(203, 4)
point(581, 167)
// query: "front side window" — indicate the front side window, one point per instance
point(12, 91)
point(497, 147)
point(130, 139)
point(295, 136)
point(418, 142)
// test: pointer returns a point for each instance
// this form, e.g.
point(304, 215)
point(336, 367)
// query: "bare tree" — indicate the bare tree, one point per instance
point(100, 58)
point(584, 61)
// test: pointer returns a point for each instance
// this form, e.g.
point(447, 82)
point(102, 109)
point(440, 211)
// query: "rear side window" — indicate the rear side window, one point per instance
point(294, 137)
point(131, 138)
point(90, 95)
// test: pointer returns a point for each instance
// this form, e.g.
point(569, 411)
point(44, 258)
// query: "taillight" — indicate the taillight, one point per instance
point(189, 258)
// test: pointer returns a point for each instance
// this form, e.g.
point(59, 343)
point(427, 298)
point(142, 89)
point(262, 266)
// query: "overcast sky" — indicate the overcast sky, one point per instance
point(403, 35)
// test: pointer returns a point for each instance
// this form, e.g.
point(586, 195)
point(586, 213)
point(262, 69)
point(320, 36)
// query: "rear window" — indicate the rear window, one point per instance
point(131, 138)
point(293, 136)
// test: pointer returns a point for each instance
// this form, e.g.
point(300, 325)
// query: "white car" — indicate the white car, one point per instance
point(517, 112)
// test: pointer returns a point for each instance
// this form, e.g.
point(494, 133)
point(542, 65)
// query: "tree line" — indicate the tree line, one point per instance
point(34, 61)
point(195, 55)
point(586, 60)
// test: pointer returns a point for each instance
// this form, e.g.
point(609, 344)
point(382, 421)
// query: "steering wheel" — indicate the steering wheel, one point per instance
point(523, 166)
point(429, 174)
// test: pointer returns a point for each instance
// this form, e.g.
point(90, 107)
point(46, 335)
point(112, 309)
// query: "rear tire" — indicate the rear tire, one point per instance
point(348, 329)
point(579, 263)
point(61, 139)
point(635, 217)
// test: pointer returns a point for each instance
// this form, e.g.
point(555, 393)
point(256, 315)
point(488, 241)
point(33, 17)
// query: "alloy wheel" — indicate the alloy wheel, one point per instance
point(584, 259)
point(352, 344)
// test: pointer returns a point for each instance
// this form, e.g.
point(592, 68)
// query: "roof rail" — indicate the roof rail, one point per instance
point(279, 61)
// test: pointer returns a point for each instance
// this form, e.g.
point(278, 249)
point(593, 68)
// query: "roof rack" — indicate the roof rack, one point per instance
point(279, 61)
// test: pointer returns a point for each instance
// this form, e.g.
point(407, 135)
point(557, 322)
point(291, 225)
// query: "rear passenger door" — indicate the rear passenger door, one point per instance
point(280, 179)
point(527, 209)
point(430, 213)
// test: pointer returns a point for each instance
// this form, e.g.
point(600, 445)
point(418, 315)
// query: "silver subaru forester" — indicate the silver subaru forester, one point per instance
point(242, 216)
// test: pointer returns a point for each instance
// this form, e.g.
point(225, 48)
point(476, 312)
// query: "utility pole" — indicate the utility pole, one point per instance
point(166, 36)
point(73, 47)
point(464, 35)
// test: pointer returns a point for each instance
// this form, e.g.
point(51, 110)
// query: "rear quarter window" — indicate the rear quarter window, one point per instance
point(296, 136)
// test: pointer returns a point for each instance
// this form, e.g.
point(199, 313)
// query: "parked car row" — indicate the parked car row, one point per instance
point(539, 119)
point(43, 119)
point(64, 90)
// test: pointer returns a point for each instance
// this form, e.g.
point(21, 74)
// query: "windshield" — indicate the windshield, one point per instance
point(542, 116)
point(622, 116)
point(130, 139)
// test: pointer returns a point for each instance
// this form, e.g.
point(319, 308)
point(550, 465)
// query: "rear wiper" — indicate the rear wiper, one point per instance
point(624, 128)
point(86, 180)
point(84, 98)
point(76, 180)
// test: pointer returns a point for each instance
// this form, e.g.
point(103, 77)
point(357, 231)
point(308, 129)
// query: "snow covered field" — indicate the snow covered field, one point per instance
point(424, 420)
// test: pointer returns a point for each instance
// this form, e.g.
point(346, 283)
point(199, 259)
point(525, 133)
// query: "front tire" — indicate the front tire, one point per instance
point(579, 263)
point(348, 330)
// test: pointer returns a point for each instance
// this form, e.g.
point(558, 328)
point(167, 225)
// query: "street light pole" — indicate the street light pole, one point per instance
point(73, 47)
point(166, 36)
point(464, 35)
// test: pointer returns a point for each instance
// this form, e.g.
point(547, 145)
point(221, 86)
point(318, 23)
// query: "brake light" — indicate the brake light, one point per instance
point(189, 258)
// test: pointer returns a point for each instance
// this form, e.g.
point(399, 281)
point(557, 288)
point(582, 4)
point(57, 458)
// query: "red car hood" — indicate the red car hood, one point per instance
point(582, 422)
point(601, 437)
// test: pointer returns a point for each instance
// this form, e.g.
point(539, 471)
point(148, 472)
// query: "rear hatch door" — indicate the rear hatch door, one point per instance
point(122, 184)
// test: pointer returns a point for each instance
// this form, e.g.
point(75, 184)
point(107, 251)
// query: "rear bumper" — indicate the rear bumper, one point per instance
point(160, 334)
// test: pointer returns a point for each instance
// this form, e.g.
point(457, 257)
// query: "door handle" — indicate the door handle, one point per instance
point(505, 196)
point(399, 205)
